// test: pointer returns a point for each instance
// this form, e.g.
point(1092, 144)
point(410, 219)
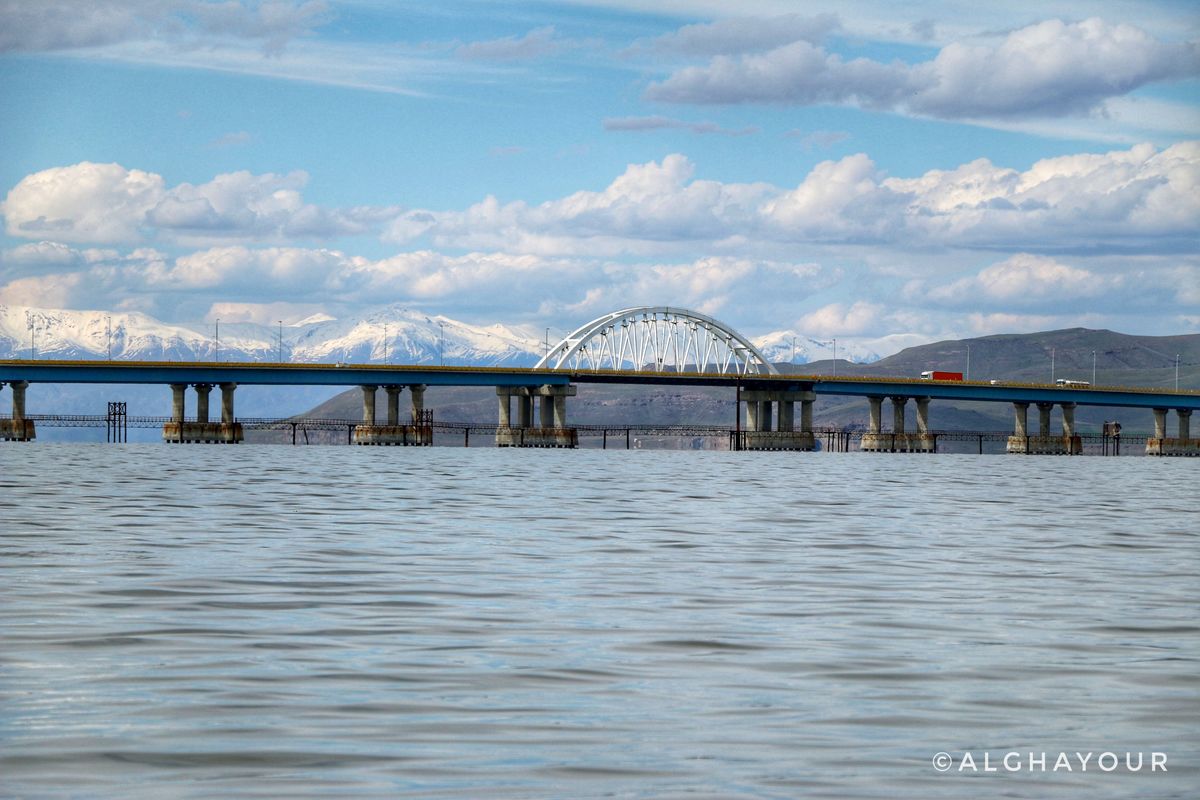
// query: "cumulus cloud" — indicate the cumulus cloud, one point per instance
point(741, 35)
point(1050, 69)
point(650, 204)
point(857, 319)
point(107, 203)
point(1141, 200)
point(537, 43)
point(68, 24)
point(1137, 200)
point(1024, 279)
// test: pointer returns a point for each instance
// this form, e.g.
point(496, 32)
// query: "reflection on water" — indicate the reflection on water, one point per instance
point(215, 622)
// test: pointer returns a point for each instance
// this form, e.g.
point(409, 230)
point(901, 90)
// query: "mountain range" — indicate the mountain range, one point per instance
point(392, 334)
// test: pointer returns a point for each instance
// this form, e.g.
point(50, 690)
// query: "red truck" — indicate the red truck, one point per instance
point(937, 375)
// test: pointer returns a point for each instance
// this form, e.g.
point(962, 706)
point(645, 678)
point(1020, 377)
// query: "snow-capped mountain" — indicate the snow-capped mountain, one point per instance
point(393, 334)
point(778, 348)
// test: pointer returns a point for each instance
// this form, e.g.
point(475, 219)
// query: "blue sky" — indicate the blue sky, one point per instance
point(885, 173)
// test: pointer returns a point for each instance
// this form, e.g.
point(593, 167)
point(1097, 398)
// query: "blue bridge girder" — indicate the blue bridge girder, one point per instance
point(144, 372)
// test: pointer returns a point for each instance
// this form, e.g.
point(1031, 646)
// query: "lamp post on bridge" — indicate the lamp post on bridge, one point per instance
point(442, 343)
point(1052, 365)
point(1177, 372)
point(280, 341)
point(968, 362)
point(1093, 368)
point(108, 334)
point(835, 357)
point(217, 341)
point(385, 334)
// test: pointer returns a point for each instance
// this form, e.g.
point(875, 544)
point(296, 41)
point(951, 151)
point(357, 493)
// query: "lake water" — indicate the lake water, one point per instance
point(195, 622)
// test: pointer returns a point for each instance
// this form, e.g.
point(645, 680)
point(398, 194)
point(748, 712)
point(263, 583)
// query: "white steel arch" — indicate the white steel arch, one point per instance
point(658, 339)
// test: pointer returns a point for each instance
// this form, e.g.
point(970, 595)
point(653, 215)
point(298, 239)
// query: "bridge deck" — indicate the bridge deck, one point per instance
point(376, 374)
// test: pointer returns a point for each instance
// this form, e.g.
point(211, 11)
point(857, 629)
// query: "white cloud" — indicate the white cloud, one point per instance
point(107, 203)
point(535, 44)
point(1050, 69)
point(857, 319)
point(740, 35)
point(1141, 199)
point(263, 313)
point(68, 24)
point(1024, 279)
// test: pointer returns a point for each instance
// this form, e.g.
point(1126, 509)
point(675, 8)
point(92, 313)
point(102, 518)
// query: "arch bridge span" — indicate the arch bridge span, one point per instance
point(658, 339)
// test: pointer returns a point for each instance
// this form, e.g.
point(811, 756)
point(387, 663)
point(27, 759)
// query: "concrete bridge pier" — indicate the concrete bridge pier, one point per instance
point(899, 440)
point(180, 430)
point(17, 429)
point(393, 404)
point(1045, 443)
point(760, 415)
point(552, 429)
point(1181, 445)
point(202, 390)
point(370, 432)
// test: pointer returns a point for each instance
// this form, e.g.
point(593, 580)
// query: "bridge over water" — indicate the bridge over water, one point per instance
point(646, 345)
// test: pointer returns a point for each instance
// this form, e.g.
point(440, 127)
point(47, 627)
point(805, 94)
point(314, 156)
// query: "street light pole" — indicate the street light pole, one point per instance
point(280, 341)
point(108, 335)
point(217, 341)
point(1177, 372)
point(793, 349)
point(835, 358)
point(385, 332)
point(442, 343)
point(968, 362)
point(1093, 368)
point(1052, 365)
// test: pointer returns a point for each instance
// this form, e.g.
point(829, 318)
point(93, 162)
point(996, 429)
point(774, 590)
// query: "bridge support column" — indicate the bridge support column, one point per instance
point(759, 434)
point(898, 404)
point(552, 430)
point(524, 409)
point(202, 390)
point(899, 440)
point(875, 420)
point(1019, 441)
point(787, 416)
point(179, 430)
point(806, 411)
point(1182, 445)
point(178, 401)
point(230, 431)
point(368, 395)
point(1044, 410)
point(17, 429)
point(416, 396)
point(560, 411)
point(393, 404)
point(370, 432)
point(504, 396)
point(227, 390)
point(176, 430)
point(1046, 443)
point(1072, 443)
